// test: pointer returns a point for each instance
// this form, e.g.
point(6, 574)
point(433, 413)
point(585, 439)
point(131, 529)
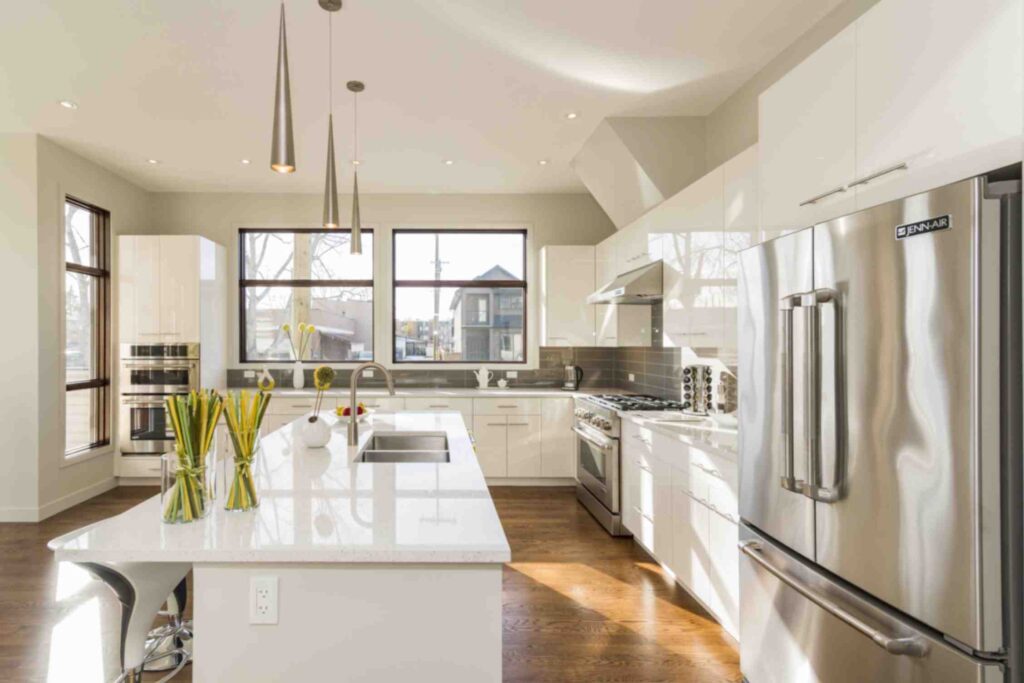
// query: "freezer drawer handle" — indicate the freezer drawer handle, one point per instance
point(910, 647)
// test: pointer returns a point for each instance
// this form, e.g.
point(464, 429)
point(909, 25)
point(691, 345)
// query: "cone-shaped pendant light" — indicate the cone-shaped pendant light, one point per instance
point(331, 178)
point(282, 148)
point(357, 229)
point(331, 183)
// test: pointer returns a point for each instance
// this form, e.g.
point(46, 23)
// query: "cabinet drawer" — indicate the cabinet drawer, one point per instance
point(388, 404)
point(429, 404)
point(506, 406)
point(139, 466)
point(722, 497)
point(290, 406)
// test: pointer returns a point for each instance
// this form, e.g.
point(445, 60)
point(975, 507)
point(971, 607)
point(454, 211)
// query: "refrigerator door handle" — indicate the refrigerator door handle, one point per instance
point(813, 488)
point(788, 480)
point(907, 646)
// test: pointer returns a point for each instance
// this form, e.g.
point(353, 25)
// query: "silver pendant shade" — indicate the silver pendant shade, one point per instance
point(356, 87)
point(331, 213)
point(282, 147)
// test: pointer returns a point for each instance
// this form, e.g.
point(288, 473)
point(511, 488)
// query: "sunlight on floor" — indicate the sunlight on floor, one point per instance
point(70, 579)
point(639, 610)
point(76, 646)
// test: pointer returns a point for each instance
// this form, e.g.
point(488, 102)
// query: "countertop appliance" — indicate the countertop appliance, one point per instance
point(880, 443)
point(573, 378)
point(598, 466)
point(149, 374)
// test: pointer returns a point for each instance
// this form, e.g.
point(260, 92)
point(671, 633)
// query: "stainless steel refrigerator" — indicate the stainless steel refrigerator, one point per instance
point(880, 447)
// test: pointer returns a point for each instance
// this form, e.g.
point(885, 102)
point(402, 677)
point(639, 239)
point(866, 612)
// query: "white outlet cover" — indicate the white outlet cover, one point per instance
point(632, 377)
point(249, 374)
point(368, 373)
point(263, 600)
point(511, 374)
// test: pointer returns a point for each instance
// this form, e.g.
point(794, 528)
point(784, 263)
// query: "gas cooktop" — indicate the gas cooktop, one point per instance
point(635, 402)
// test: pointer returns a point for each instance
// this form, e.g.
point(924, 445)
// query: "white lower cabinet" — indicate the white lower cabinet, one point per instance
point(524, 452)
point(557, 440)
point(679, 503)
point(490, 433)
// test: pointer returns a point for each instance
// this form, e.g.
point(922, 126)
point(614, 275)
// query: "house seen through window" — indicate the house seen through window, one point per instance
point(460, 296)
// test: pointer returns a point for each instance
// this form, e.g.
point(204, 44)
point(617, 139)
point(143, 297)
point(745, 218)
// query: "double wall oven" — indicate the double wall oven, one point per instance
point(149, 374)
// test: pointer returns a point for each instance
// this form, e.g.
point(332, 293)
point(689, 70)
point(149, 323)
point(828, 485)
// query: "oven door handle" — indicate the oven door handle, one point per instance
point(602, 443)
point(159, 365)
point(142, 403)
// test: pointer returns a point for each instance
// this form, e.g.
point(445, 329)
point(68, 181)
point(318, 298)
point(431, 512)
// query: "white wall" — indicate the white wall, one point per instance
point(549, 218)
point(19, 349)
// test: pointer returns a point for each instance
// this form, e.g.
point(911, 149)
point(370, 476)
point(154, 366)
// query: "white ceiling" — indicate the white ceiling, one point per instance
point(486, 83)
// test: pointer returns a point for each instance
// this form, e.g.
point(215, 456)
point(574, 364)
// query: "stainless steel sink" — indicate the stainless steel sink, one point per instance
point(406, 447)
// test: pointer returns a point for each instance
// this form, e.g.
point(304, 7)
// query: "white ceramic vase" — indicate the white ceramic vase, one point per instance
point(298, 378)
point(316, 432)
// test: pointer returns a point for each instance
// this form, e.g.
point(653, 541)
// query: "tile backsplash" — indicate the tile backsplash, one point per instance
point(655, 371)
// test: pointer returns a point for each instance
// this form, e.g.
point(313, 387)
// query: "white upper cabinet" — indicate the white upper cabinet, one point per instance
point(807, 136)
point(606, 266)
point(935, 81)
point(179, 288)
point(567, 279)
point(637, 246)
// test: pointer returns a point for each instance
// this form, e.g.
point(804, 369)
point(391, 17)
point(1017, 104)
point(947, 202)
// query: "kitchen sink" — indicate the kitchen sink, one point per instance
point(406, 447)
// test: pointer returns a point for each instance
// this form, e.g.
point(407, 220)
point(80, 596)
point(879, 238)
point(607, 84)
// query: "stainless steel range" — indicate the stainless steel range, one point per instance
point(597, 427)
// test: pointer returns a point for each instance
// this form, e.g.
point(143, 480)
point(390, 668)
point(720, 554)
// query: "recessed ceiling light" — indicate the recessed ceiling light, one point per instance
point(543, 162)
point(152, 161)
point(68, 104)
point(448, 162)
point(246, 162)
point(571, 115)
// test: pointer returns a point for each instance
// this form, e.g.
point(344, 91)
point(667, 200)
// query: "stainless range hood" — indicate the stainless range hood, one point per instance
point(640, 286)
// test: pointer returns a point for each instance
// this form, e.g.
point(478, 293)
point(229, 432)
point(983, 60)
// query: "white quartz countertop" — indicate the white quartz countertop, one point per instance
point(319, 506)
point(705, 433)
point(494, 392)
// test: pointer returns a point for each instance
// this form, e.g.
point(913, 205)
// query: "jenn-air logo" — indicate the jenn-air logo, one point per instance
point(921, 227)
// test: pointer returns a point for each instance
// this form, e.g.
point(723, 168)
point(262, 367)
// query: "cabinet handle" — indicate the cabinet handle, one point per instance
point(885, 171)
point(438, 405)
point(518, 424)
point(509, 407)
point(812, 200)
point(497, 424)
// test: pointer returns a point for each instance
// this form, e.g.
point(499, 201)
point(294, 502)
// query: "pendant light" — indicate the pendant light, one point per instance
point(356, 242)
point(331, 180)
point(282, 147)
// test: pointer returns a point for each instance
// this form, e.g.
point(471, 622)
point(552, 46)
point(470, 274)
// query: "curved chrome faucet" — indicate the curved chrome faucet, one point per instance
point(353, 419)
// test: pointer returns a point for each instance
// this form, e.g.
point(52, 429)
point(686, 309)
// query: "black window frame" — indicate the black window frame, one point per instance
point(101, 351)
point(243, 283)
point(458, 284)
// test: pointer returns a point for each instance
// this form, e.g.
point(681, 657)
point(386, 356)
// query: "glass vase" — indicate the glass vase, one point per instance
point(187, 493)
point(241, 492)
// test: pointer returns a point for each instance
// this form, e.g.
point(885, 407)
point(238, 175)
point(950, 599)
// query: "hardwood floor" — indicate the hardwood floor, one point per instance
point(578, 604)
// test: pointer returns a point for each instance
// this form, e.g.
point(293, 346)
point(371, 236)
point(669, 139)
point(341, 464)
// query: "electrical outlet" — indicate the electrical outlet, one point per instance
point(632, 377)
point(250, 374)
point(263, 600)
point(368, 373)
point(511, 374)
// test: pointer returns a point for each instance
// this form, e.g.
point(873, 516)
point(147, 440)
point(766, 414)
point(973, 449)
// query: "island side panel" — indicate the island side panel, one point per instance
point(351, 622)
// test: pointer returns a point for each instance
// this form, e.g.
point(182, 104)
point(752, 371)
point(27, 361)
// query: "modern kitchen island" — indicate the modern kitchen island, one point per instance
point(383, 571)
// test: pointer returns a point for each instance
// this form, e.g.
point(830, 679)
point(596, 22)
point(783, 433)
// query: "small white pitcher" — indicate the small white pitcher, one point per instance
point(483, 376)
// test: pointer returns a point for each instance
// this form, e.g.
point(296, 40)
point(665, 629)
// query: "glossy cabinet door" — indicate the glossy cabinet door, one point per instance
point(806, 139)
point(179, 288)
point(524, 449)
point(148, 299)
point(952, 88)
point(741, 230)
point(435, 403)
point(632, 248)
point(567, 279)
point(557, 441)
point(127, 289)
point(490, 433)
point(606, 267)
point(690, 552)
point(723, 587)
point(663, 521)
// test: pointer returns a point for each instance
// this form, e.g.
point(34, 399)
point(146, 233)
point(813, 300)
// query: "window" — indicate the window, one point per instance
point(86, 331)
point(460, 296)
point(305, 276)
